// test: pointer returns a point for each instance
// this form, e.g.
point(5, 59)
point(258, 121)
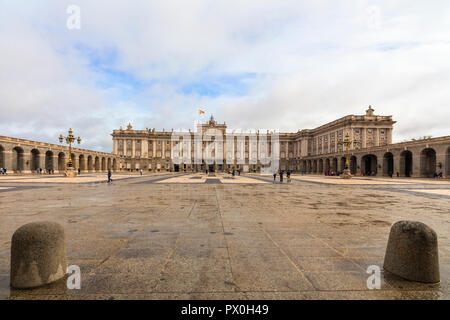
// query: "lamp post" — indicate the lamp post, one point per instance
point(347, 142)
point(70, 138)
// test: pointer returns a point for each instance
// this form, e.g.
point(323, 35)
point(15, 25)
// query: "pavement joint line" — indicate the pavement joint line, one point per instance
point(288, 257)
point(235, 286)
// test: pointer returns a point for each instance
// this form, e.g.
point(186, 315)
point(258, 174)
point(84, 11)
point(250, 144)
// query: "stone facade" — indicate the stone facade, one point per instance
point(310, 150)
point(25, 156)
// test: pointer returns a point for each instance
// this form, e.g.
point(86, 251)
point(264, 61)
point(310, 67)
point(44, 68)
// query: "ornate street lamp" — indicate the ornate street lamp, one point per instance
point(69, 140)
point(347, 174)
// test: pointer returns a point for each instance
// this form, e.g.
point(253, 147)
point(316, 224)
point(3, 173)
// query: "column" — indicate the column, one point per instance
point(163, 155)
point(133, 148)
point(55, 160)
point(396, 167)
point(376, 137)
point(287, 150)
point(115, 146)
point(336, 142)
point(363, 137)
point(41, 160)
point(125, 147)
point(85, 164)
point(144, 148)
point(26, 162)
point(154, 149)
point(389, 135)
point(8, 160)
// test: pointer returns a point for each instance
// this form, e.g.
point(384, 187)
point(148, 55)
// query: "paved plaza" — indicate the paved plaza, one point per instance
point(197, 236)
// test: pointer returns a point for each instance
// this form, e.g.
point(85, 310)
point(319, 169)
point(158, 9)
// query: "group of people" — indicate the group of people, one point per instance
point(41, 171)
point(437, 175)
point(233, 172)
point(281, 173)
point(332, 173)
point(2, 170)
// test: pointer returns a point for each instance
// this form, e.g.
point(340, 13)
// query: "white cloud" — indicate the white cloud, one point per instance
point(312, 62)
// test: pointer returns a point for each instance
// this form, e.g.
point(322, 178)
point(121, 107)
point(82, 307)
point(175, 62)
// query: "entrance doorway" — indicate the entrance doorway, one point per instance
point(406, 163)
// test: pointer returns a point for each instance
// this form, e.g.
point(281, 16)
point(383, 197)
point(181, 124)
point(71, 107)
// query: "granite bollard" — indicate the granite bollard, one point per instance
point(412, 252)
point(38, 255)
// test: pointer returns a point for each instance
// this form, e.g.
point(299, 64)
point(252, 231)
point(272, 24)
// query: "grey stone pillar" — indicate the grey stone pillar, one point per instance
point(38, 255)
point(412, 252)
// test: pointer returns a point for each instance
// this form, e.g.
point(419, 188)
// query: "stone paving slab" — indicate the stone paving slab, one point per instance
point(84, 178)
point(137, 239)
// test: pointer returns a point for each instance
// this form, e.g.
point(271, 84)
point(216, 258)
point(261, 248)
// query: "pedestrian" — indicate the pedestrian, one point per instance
point(281, 176)
point(141, 172)
point(79, 171)
point(288, 175)
point(109, 176)
point(274, 176)
point(232, 173)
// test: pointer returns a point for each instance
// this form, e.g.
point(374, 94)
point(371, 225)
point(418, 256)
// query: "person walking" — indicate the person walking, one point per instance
point(79, 171)
point(281, 176)
point(232, 174)
point(109, 176)
point(141, 172)
point(288, 175)
point(274, 176)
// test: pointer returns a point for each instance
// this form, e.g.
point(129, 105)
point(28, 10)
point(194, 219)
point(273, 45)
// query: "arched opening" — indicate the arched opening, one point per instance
point(97, 164)
point(103, 164)
point(308, 166)
point(314, 168)
point(114, 164)
point(327, 165)
point(82, 164)
point(369, 165)
point(388, 164)
point(427, 162)
point(49, 161)
point(74, 161)
point(2, 157)
point(342, 167)
point(334, 165)
point(406, 163)
point(17, 159)
point(447, 162)
point(109, 164)
point(320, 166)
point(90, 163)
point(352, 164)
point(34, 161)
point(61, 161)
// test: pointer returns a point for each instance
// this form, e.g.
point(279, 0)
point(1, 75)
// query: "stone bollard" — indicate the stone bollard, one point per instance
point(412, 252)
point(38, 255)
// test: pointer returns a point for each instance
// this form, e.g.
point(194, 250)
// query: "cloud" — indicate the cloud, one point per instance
point(287, 65)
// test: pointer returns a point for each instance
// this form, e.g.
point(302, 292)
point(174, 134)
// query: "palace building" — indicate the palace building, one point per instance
point(312, 151)
point(308, 150)
point(151, 150)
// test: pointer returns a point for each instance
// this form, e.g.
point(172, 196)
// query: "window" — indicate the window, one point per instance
point(369, 130)
point(382, 131)
point(356, 130)
point(167, 142)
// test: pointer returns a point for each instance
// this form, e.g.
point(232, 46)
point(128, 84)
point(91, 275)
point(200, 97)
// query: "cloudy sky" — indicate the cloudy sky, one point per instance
point(284, 65)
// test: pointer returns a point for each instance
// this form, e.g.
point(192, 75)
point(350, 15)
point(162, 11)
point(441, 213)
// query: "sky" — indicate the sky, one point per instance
point(254, 64)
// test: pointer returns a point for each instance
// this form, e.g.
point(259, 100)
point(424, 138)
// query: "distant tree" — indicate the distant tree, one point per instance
point(418, 139)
